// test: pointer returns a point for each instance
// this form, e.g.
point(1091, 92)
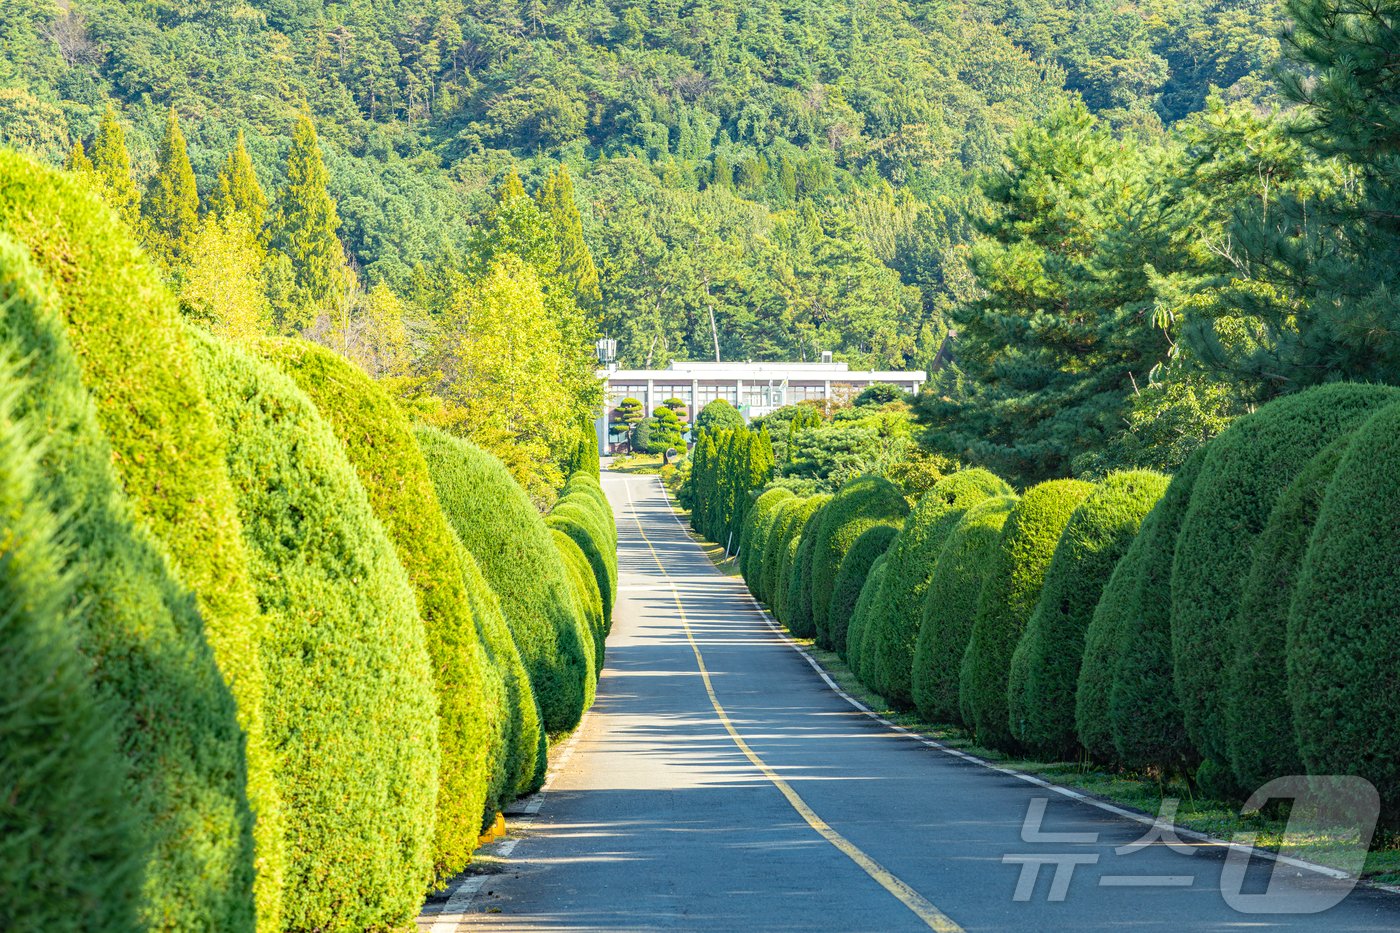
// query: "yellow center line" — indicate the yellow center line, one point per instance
point(924, 909)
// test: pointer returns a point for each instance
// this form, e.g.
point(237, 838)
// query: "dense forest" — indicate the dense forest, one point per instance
point(1141, 220)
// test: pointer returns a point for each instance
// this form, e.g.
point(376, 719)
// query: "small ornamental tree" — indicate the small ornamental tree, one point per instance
point(640, 439)
point(863, 502)
point(628, 414)
point(718, 415)
point(850, 582)
point(1344, 622)
point(666, 430)
point(344, 636)
point(1009, 596)
point(1044, 671)
point(1246, 469)
point(950, 605)
point(898, 610)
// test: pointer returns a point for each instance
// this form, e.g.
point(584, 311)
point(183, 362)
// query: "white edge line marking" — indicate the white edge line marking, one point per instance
point(1069, 792)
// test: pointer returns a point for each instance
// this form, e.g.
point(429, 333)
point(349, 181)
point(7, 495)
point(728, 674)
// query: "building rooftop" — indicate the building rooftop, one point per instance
point(834, 371)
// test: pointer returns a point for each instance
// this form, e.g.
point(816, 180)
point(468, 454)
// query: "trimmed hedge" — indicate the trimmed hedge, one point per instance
point(71, 849)
point(148, 433)
point(1102, 642)
point(851, 580)
point(801, 621)
point(378, 441)
point(584, 485)
point(577, 515)
point(950, 605)
point(898, 610)
point(516, 765)
point(1144, 714)
point(861, 503)
point(586, 595)
point(1246, 469)
point(860, 618)
point(1344, 624)
point(1006, 602)
point(510, 541)
point(783, 534)
point(797, 524)
point(1045, 667)
point(758, 526)
point(344, 640)
point(1258, 712)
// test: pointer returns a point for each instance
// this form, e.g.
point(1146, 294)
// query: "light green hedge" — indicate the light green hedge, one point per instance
point(801, 621)
point(586, 595)
point(1006, 602)
point(789, 583)
point(378, 441)
point(1044, 671)
point(780, 537)
point(898, 610)
point(950, 604)
point(754, 539)
point(350, 703)
point(861, 503)
point(850, 582)
point(510, 541)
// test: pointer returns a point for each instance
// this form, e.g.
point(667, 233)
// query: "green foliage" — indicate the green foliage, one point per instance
point(801, 620)
point(950, 605)
point(70, 845)
point(587, 598)
point(577, 514)
point(304, 227)
point(863, 502)
point(378, 441)
point(850, 584)
point(1245, 470)
point(498, 525)
point(344, 636)
point(1144, 714)
point(860, 617)
point(781, 535)
point(1009, 596)
point(167, 456)
point(1342, 637)
point(237, 192)
point(718, 415)
point(111, 169)
point(1258, 714)
point(556, 199)
point(754, 539)
point(170, 208)
point(1102, 645)
point(1044, 671)
point(897, 611)
point(790, 584)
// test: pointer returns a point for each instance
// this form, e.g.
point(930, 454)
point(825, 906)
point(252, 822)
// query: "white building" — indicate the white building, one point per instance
point(754, 388)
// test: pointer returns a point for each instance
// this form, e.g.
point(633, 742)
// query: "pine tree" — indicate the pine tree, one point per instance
point(236, 190)
point(170, 209)
point(556, 199)
point(77, 160)
point(518, 226)
point(304, 228)
point(111, 167)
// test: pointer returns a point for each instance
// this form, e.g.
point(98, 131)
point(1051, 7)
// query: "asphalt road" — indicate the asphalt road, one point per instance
point(746, 795)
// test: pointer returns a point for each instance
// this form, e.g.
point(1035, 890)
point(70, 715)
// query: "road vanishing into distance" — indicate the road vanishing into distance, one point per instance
point(720, 784)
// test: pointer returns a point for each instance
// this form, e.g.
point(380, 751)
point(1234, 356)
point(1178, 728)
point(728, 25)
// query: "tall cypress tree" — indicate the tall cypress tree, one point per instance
point(111, 167)
point(78, 160)
point(304, 229)
point(237, 191)
point(556, 199)
point(170, 208)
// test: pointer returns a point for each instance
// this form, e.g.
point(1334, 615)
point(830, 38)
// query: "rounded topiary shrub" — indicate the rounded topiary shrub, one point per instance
point(863, 502)
point(753, 541)
point(71, 849)
point(515, 767)
point(789, 562)
point(1045, 667)
point(123, 326)
point(899, 607)
point(851, 579)
point(783, 533)
point(344, 638)
point(379, 443)
point(510, 541)
point(1007, 600)
point(1144, 715)
point(1102, 640)
point(576, 516)
point(950, 605)
point(586, 596)
point(802, 622)
point(1343, 644)
point(588, 487)
point(1245, 470)
point(860, 617)
point(1260, 738)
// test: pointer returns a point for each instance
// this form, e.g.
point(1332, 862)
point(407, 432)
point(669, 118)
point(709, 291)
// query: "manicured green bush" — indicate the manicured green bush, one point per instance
point(1245, 470)
point(149, 433)
point(1102, 640)
point(378, 440)
point(860, 617)
point(718, 415)
point(863, 502)
point(1007, 600)
point(344, 640)
point(801, 621)
point(950, 605)
point(780, 537)
point(586, 485)
point(1144, 714)
point(898, 610)
point(758, 528)
point(586, 595)
point(1258, 712)
point(71, 849)
point(577, 517)
point(851, 579)
point(1045, 667)
point(516, 766)
point(797, 522)
point(1344, 623)
point(510, 541)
